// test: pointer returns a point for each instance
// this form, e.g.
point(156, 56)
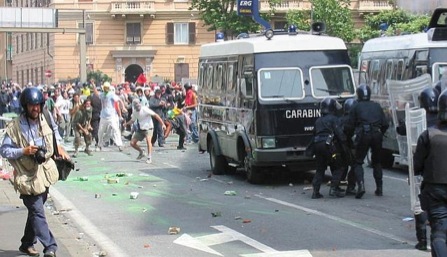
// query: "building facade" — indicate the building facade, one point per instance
point(124, 38)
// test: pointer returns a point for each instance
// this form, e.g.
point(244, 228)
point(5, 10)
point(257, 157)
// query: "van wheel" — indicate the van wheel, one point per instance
point(217, 162)
point(254, 175)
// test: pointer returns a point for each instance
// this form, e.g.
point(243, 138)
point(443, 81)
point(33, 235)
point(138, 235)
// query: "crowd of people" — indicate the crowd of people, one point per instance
point(99, 115)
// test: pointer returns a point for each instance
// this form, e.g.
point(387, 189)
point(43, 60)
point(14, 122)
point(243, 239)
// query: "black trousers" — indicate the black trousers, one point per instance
point(366, 141)
point(435, 200)
point(95, 127)
point(158, 133)
point(324, 158)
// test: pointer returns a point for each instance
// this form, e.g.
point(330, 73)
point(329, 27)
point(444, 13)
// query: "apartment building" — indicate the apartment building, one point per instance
point(159, 38)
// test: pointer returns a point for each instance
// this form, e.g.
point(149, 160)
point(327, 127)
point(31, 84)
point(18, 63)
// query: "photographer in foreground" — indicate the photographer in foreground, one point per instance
point(28, 146)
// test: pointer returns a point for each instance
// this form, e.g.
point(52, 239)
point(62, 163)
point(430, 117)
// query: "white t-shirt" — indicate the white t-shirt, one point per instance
point(144, 117)
point(63, 105)
point(108, 105)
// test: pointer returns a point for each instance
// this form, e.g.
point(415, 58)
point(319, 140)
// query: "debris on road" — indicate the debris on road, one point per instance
point(173, 230)
point(133, 195)
point(216, 214)
point(230, 193)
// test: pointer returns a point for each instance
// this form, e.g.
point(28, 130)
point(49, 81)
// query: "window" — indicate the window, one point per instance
point(180, 33)
point(88, 32)
point(332, 81)
point(280, 83)
point(133, 33)
point(230, 77)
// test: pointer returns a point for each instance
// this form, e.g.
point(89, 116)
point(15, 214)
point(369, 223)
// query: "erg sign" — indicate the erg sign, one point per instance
point(245, 7)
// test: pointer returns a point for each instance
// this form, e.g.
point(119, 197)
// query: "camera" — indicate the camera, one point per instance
point(39, 156)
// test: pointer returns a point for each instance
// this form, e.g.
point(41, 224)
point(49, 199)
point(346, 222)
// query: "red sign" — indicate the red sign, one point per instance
point(48, 73)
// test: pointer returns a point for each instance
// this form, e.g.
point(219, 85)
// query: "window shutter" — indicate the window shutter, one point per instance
point(192, 33)
point(170, 33)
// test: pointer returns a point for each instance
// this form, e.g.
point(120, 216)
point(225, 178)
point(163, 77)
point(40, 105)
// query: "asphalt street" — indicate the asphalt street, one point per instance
point(180, 209)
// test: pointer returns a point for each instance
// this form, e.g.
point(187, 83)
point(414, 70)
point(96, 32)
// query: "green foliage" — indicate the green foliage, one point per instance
point(398, 20)
point(334, 13)
point(301, 19)
point(98, 76)
point(221, 15)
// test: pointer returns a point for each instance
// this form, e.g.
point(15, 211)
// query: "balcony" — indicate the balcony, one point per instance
point(356, 5)
point(142, 7)
point(132, 7)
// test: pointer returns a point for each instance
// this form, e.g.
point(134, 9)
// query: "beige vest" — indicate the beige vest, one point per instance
point(29, 177)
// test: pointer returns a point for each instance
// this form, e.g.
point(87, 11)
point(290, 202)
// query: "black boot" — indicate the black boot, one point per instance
point(350, 190)
point(379, 191)
point(316, 194)
point(336, 192)
point(421, 231)
point(360, 190)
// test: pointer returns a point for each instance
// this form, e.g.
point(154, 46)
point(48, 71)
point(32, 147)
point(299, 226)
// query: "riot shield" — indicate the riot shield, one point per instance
point(415, 121)
point(400, 94)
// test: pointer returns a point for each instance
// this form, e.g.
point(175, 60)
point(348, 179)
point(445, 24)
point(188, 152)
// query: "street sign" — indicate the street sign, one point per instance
point(48, 73)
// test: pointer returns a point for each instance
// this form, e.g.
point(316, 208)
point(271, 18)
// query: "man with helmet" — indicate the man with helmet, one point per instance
point(328, 137)
point(428, 99)
point(368, 121)
point(28, 146)
point(430, 162)
point(349, 168)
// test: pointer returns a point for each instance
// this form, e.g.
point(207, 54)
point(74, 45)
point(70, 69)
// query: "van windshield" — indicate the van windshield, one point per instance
point(331, 81)
point(280, 83)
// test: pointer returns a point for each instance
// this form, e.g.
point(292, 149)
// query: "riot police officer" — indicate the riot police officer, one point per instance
point(428, 100)
point(368, 120)
point(349, 167)
point(430, 162)
point(328, 137)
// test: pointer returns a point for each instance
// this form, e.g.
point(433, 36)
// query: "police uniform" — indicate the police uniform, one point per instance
point(328, 132)
point(430, 162)
point(370, 124)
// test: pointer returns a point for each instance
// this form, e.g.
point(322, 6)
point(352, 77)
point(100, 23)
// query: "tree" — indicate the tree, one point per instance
point(98, 76)
point(334, 13)
point(221, 15)
point(392, 22)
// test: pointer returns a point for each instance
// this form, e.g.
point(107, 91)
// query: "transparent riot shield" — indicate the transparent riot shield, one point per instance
point(415, 121)
point(402, 93)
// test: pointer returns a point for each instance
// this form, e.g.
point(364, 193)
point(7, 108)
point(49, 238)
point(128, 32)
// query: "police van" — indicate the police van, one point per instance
point(403, 58)
point(260, 95)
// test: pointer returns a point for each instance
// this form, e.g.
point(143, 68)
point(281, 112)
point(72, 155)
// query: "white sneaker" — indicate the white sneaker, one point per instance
point(149, 161)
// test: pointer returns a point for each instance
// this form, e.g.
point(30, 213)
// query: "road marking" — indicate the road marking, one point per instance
point(202, 243)
point(102, 240)
point(170, 165)
point(335, 218)
point(399, 179)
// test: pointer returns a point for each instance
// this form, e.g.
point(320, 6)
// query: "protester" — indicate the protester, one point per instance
point(142, 115)
point(82, 127)
point(110, 117)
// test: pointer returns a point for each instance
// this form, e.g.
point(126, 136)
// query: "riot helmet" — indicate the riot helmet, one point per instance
point(328, 106)
point(347, 106)
point(31, 95)
point(428, 99)
point(363, 92)
point(442, 106)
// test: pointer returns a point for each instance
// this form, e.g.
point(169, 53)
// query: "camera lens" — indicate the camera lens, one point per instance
point(39, 156)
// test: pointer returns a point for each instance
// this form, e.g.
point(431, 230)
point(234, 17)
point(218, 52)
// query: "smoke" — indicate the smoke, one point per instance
point(421, 6)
